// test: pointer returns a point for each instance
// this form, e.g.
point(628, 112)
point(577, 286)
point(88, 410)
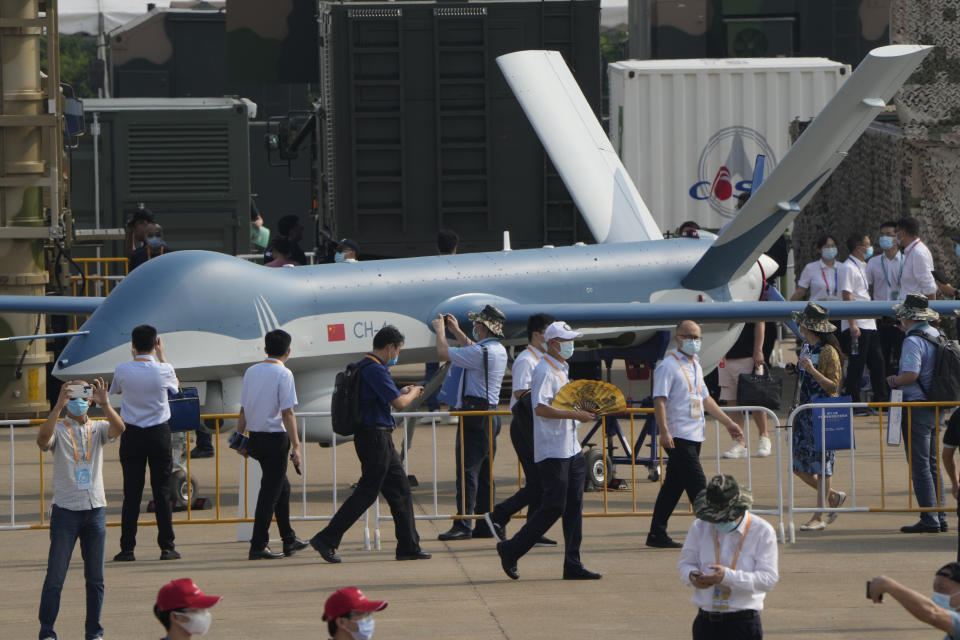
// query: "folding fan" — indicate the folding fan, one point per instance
point(594, 396)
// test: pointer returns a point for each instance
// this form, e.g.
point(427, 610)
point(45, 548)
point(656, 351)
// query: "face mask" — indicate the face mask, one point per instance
point(566, 350)
point(197, 622)
point(942, 600)
point(868, 254)
point(691, 347)
point(154, 242)
point(394, 360)
point(77, 406)
point(725, 527)
point(885, 242)
point(474, 335)
point(339, 256)
point(364, 629)
point(829, 253)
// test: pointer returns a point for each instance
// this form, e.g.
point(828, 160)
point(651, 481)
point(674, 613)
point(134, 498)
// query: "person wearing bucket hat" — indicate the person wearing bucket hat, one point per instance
point(183, 609)
point(349, 614)
point(820, 373)
point(730, 559)
point(477, 372)
point(917, 361)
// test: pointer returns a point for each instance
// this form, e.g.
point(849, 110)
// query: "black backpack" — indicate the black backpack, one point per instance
point(345, 413)
point(945, 386)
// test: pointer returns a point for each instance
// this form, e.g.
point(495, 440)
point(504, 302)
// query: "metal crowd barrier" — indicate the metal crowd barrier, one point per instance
point(853, 508)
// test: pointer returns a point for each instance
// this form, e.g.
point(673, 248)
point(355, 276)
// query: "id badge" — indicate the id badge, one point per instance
point(696, 406)
point(84, 477)
point(894, 295)
point(721, 597)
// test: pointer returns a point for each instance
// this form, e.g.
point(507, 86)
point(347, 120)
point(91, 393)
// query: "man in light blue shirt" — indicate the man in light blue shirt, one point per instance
point(917, 362)
point(482, 362)
point(939, 611)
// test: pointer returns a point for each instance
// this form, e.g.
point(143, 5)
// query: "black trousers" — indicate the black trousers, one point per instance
point(742, 629)
point(891, 343)
point(531, 493)
point(869, 355)
point(139, 446)
point(684, 473)
point(381, 471)
point(271, 451)
point(562, 497)
point(474, 493)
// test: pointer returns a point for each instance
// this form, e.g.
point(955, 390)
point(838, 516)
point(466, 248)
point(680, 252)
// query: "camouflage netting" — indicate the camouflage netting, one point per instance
point(911, 170)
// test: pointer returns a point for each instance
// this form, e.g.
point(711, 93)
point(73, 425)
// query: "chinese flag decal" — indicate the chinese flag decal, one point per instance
point(335, 333)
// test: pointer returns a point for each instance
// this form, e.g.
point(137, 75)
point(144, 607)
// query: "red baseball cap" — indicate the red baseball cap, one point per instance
point(184, 594)
point(348, 599)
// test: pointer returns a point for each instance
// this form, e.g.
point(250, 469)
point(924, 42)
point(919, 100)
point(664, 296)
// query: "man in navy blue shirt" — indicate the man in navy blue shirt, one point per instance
point(380, 466)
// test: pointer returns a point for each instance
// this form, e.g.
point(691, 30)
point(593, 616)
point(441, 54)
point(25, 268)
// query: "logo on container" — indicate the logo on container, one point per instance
point(725, 169)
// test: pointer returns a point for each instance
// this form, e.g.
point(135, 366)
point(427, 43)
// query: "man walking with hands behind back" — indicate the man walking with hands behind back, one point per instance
point(267, 400)
point(144, 383)
point(679, 399)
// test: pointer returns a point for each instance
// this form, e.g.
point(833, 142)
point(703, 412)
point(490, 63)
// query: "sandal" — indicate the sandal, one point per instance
point(841, 498)
point(813, 525)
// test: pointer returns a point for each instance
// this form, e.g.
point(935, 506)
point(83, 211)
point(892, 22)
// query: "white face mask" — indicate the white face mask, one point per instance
point(566, 349)
point(197, 622)
point(691, 346)
point(364, 629)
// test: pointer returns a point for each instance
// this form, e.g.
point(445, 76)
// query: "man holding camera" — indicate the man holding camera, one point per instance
point(144, 383)
point(79, 503)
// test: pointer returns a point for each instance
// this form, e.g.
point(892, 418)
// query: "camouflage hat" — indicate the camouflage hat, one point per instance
point(814, 317)
point(490, 317)
point(915, 307)
point(723, 500)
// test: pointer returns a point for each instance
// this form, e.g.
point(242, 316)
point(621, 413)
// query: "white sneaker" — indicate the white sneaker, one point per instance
point(764, 447)
point(736, 451)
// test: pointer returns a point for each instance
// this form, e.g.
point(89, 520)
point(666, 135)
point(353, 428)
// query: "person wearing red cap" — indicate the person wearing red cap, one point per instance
point(183, 610)
point(348, 614)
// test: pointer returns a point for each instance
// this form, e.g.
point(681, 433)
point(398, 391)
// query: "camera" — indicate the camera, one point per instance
point(238, 441)
point(80, 391)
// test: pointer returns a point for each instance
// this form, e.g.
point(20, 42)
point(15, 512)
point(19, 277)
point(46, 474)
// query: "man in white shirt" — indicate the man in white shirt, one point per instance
point(730, 559)
point(858, 338)
point(679, 399)
point(144, 383)
point(79, 502)
point(267, 399)
point(884, 274)
point(559, 460)
point(482, 362)
point(917, 261)
point(521, 431)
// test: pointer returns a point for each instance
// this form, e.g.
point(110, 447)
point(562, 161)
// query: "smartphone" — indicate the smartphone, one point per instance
point(868, 592)
point(80, 391)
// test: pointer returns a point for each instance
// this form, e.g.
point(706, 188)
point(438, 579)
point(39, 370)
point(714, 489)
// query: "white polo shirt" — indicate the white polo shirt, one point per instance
point(522, 370)
point(143, 383)
point(551, 438)
point(267, 390)
point(853, 279)
point(820, 281)
point(917, 267)
point(884, 276)
point(680, 381)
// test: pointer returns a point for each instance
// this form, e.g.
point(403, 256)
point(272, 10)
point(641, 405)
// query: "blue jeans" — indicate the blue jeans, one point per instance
point(65, 527)
point(923, 455)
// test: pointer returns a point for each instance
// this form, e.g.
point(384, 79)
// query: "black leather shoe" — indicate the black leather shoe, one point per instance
point(580, 573)
point(509, 566)
point(326, 552)
point(416, 555)
point(544, 541)
point(197, 452)
point(292, 546)
point(944, 527)
point(169, 554)
point(264, 554)
point(498, 531)
point(663, 542)
point(920, 528)
point(124, 556)
point(455, 533)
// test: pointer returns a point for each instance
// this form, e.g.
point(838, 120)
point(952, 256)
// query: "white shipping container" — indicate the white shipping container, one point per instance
point(689, 131)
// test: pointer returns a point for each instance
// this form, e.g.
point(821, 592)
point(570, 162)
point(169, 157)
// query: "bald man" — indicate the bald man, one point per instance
point(680, 398)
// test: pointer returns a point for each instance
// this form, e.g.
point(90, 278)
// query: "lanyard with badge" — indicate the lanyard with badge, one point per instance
point(826, 283)
point(894, 294)
point(563, 378)
point(721, 593)
point(84, 468)
point(696, 401)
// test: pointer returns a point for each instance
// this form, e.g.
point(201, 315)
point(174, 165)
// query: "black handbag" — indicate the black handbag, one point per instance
point(759, 390)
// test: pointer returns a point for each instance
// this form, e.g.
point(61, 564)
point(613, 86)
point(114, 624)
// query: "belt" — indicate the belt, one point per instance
point(727, 616)
point(150, 426)
point(376, 427)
